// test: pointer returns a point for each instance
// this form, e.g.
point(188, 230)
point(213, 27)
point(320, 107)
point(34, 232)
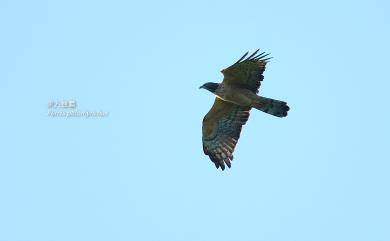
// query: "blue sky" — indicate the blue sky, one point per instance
point(140, 173)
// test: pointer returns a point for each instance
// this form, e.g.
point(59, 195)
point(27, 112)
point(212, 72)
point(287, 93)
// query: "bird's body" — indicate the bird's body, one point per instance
point(235, 97)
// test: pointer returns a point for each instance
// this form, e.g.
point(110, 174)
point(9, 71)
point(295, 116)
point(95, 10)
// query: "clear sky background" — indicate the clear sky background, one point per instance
point(322, 173)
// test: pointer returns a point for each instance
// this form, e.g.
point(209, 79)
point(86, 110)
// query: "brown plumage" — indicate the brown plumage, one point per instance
point(236, 95)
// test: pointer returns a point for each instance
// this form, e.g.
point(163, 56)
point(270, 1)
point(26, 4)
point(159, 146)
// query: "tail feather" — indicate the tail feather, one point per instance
point(273, 107)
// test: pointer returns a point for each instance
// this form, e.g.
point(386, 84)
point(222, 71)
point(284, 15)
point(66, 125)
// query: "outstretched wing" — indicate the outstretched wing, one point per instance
point(221, 130)
point(247, 72)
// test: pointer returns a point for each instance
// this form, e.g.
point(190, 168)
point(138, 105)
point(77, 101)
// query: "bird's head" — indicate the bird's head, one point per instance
point(210, 86)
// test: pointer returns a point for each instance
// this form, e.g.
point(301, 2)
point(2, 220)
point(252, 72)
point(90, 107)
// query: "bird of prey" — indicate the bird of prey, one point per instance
point(235, 97)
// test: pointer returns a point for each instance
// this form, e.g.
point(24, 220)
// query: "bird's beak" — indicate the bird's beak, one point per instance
point(201, 87)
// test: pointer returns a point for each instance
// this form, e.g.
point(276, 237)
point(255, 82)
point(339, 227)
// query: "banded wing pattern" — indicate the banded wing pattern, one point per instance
point(221, 130)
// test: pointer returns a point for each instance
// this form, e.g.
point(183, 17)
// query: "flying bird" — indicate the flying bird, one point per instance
point(235, 97)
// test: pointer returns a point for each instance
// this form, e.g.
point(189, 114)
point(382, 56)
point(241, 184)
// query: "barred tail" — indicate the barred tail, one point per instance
point(273, 107)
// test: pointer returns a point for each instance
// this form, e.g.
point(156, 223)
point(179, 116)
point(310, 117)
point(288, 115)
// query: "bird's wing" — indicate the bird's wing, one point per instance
point(247, 72)
point(221, 130)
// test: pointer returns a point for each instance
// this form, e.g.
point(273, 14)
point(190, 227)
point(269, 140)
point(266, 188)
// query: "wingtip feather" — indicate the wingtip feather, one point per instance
point(238, 61)
point(254, 53)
